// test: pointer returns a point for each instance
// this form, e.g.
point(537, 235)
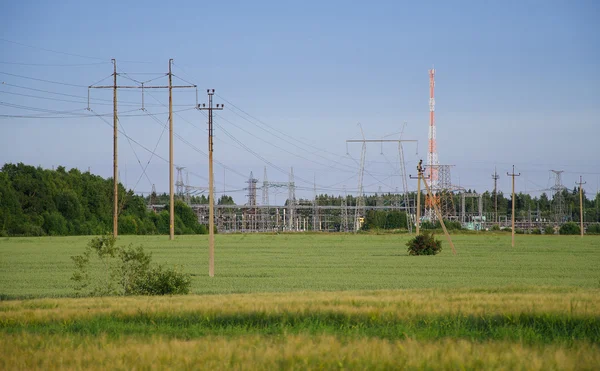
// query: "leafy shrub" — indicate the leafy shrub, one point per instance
point(536, 231)
point(495, 227)
point(164, 281)
point(124, 271)
point(424, 244)
point(519, 231)
point(569, 228)
point(549, 229)
point(593, 229)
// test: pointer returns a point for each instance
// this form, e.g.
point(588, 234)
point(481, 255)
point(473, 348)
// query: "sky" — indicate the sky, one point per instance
point(516, 84)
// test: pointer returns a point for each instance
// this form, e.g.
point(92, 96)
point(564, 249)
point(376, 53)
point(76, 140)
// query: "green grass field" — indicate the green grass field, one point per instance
point(41, 267)
point(326, 301)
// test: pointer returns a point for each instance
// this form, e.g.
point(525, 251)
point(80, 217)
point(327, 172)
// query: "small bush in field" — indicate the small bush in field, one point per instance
point(125, 271)
point(424, 244)
point(549, 229)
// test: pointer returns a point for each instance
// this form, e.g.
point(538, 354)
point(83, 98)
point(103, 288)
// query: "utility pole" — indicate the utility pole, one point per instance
point(115, 161)
point(211, 202)
point(116, 130)
point(171, 180)
point(513, 175)
point(419, 177)
point(495, 177)
point(581, 182)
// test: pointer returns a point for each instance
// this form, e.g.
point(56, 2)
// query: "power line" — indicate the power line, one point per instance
point(43, 80)
point(53, 65)
point(64, 53)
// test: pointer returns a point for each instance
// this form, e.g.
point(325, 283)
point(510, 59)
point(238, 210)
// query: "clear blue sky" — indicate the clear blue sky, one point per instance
point(516, 83)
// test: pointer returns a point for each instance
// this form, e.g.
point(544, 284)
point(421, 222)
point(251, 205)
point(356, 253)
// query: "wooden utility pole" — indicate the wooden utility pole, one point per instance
point(211, 187)
point(116, 130)
point(419, 177)
point(171, 180)
point(581, 182)
point(115, 162)
point(513, 175)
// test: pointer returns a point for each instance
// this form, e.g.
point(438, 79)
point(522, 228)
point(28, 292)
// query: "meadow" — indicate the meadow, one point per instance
point(327, 301)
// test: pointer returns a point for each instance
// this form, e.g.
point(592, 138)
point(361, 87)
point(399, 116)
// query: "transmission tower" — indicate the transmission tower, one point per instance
point(179, 185)
point(441, 194)
point(188, 198)
point(405, 186)
point(495, 177)
point(153, 197)
point(291, 200)
point(265, 202)
point(315, 209)
point(557, 197)
point(344, 216)
point(379, 201)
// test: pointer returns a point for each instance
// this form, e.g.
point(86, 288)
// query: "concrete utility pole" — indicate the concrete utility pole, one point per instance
point(513, 175)
point(495, 177)
point(581, 182)
point(116, 129)
point(211, 201)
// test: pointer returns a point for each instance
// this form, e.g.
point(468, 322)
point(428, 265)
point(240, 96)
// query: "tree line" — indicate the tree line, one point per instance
point(42, 202)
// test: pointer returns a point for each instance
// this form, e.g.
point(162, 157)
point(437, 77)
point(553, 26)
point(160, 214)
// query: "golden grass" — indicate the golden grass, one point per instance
point(395, 303)
point(30, 351)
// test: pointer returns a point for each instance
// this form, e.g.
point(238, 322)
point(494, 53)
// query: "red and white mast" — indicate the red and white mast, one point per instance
point(432, 155)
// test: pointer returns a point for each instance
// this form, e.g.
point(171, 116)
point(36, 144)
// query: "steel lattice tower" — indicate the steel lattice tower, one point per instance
point(432, 155)
point(266, 212)
point(291, 200)
point(179, 183)
point(557, 197)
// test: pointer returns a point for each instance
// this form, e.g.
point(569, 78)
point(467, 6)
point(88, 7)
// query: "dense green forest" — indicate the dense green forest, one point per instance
point(40, 202)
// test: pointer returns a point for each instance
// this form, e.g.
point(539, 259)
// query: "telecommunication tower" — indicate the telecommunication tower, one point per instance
point(432, 155)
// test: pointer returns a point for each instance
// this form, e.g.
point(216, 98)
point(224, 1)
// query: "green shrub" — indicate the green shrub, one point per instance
point(549, 229)
point(569, 228)
point(424, 244)
point(124, 271)
point(164, 281)
point(519, 231)
point(495, 227)
point(593, 229)
point(536, 231)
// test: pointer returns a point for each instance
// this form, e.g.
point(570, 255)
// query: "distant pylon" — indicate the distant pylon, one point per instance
point(179, 183)
point(360, 198)
point(153, 197)
point(315, 209)
point(291, 200)
point(557, 197)
point(188, 198)
point(379, 197)
point(265, 202)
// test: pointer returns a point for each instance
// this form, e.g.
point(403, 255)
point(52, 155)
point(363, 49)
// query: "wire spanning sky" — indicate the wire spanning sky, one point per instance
point(516, 83)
